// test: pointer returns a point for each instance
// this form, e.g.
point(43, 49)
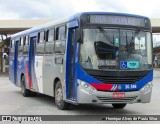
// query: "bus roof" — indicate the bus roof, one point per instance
point(67, 19)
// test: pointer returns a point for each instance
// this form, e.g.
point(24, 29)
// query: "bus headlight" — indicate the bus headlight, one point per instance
point(86, 87)
point(146, 88)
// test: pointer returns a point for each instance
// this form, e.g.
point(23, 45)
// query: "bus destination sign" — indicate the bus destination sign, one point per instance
point(118, 20)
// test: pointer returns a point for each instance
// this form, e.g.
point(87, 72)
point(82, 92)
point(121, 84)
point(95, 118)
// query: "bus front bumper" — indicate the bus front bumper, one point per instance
point(102, 97)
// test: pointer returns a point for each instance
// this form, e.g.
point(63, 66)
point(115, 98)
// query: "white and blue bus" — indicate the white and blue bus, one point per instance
point(89, 58)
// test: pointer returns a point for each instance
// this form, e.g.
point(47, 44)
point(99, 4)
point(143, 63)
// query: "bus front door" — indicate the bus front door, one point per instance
point(71, 65)
point(70, 62)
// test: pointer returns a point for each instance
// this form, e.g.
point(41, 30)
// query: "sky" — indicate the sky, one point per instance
point(54, 9)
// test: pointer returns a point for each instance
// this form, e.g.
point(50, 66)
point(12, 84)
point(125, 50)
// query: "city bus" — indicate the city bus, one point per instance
point(88, 58)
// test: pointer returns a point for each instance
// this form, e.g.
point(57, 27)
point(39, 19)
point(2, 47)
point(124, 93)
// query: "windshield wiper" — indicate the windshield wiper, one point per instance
point(105, 34)
point(108, 38)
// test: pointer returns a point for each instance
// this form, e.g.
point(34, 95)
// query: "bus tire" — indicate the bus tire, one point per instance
point(119, 106)
point(25, 92)
point(60, 103)
point(33, 93)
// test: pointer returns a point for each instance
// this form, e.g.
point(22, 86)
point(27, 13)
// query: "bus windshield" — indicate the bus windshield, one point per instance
point(116, 49)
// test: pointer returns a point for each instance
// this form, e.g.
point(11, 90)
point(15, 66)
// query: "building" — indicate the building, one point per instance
point(9, 27)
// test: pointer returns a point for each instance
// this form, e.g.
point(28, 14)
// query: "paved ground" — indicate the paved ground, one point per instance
point(12, 102)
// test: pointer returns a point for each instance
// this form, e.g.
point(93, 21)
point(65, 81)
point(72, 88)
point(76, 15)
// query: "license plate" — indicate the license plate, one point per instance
point(118, 95)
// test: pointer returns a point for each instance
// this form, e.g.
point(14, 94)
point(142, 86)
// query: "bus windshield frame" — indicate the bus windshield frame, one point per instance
point(135, 45)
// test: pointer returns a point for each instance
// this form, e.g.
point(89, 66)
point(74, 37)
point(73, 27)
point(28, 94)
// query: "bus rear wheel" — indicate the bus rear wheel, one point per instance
point(25, 92)
point(60, 103)
point(119, 106)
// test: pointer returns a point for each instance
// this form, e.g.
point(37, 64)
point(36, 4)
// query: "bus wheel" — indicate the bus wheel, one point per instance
point(33, 93)
point(60, 103)
point(119, 106)
point(25, 92)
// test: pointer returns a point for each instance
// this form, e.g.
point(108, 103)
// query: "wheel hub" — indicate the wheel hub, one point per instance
point(59, 96)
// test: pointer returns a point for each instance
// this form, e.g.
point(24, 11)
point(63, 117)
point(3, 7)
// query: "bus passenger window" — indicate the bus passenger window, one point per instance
point(50, 35)
point(20, 47)
point(12, 48)
point(25, 48)
point(47, 35)
point(61, 33)
point(22, 41)
point(49, 47)
point(60, 39)
point(41, 37)
point(12, 43)
point(26, 40)
point(40, 45)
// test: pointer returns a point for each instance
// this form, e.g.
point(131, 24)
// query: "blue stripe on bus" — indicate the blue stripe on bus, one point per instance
point(82, 75)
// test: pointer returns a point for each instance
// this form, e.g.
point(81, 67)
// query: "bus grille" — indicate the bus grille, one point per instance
point(118, 80)
point(118, 100)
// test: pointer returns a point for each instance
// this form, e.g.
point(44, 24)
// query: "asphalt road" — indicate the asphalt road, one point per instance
point(13, 103)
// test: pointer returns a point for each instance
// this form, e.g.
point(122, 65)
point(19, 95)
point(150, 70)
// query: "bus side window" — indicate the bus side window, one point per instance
point(60, 39)
point(49, 48)
point(50, 35)
point(40, 43)
point(25, 44)
point(12, 43)
point(42, 37)
point(20, 42)
point(27, 40)
point(21, 47)
point(12, 48)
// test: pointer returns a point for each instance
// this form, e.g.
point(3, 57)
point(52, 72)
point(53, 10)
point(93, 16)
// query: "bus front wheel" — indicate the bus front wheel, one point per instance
point(25, 92)
point(119, 106)
point(60, 103)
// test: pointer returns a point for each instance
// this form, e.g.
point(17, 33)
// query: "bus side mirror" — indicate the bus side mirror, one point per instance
point(78, 35)
point(74, 25)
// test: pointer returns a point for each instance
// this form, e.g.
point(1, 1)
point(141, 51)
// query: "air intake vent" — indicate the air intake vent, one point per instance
point(118, 80)
point(118, 100)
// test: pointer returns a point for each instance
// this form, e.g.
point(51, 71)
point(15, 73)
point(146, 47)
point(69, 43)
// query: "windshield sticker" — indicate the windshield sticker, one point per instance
point(129, 64)
point(116, 42)
point(107, 63)
point(132, 64)
point(123, 64)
